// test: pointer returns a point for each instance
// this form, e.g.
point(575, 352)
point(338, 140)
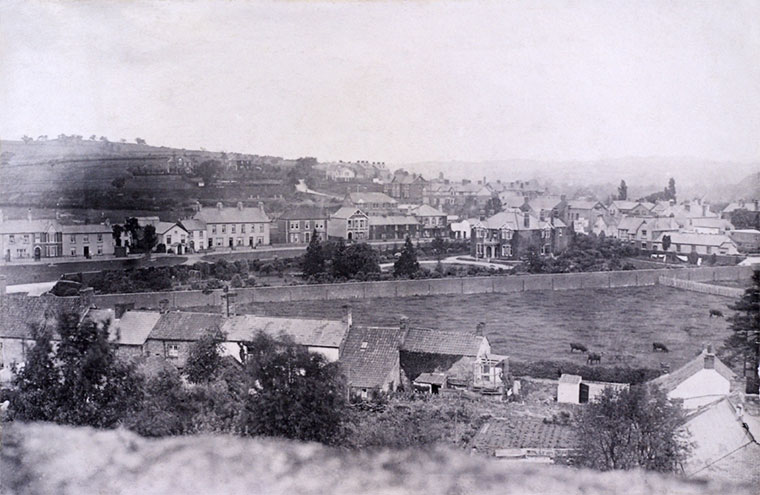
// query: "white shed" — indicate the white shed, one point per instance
point(569, 389)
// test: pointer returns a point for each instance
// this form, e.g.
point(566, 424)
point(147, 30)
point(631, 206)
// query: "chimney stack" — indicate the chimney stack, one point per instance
point(86, 297)
point(2, 285)
point(709, 358)
point(240, 206)
point(261, 206)
point(563, 198)
point(526, 220)
point(348, 318)
point(480, 329)
point(29, 214)
point(403, 323)
point(219, 206)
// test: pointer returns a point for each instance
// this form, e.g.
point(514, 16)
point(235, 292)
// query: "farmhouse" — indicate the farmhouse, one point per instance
point(235, 227)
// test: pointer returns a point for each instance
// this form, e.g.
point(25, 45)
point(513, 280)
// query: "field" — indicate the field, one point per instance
point(529, 326)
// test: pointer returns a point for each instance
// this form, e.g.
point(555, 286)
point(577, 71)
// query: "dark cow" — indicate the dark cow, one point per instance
point(665, 367)
point(578, 347)
point(593, 358)
point(659, 346)
point(716, 312)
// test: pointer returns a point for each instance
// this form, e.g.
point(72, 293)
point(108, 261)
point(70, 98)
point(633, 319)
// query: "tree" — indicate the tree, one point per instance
point(205, 357)
point(439, 248)
point(26, 139)
point(37, 384)
point(149, 238)
point(117, 230)
point(493, 206)
point(339, 266)
point(119, 182)
point(622, 191)
point(665, 242)
point(294, 393)
point(139, 141)
point(744, 219)
point(407, 264)
point(671, 189)
point(743, 345)
point(93, 137)
point(629, 429)
point(361, 260)
point(208, 170)
point(314, 260)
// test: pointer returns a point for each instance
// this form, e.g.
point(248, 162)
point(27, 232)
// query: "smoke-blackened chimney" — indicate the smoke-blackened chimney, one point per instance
point(480, 329)
point(348, 317)
point(163, 306)
point(29, 214)
point(709, 358)
point(403, 323)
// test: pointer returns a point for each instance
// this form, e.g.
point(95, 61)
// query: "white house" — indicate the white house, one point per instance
point(700, 381)
point(462, 229)
point(173, 236)
point(235, 227)
point(687, 242)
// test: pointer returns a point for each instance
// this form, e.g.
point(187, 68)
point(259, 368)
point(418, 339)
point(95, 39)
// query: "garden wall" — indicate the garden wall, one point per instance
point(717, 290)
point(468, 285)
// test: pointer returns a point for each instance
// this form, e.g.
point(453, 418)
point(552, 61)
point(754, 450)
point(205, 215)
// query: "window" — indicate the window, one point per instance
point(545, 249)
point(100, 249)
point(678, 248)
point(364, 346)
point(307, 236)
point(100, 237)
point(295, 225)
point(506, 250)
point(12, 239)
point(261, 227)
point(73, 251)
point(26, 238)
point(168, 240)
point(643, 233)
point(183, 238)
point(172, 351)
point(293, 238)
point(242, 228)
point(239, 241)
point(213, 229)
point(86, 239)
point(643, 245)
point(350, 223)
point(546, 234)
point(224, 228)
point(2, 359)
point(218, 241)
point(232, 231)
point(306, 225)
point(36, 237)
point(319, 225)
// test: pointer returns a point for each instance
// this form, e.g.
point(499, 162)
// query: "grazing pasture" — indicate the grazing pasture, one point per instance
point(619, 324)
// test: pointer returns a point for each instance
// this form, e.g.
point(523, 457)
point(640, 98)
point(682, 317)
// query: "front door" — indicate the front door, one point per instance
point(37, 253)
point(87, 252)
point(231, 245)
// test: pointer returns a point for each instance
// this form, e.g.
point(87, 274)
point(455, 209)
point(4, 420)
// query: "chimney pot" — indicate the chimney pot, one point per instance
point(480, 329)
point(240, 206)
point(219, 205)
point(709, 358)
point(404, 323)
point(29, 214)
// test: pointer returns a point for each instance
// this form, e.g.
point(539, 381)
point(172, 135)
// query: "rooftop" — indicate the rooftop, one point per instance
point(429, 341)
point(234, 214)
point(370, 354)
point(308, 332)
point(670, 381)
point(178, 325)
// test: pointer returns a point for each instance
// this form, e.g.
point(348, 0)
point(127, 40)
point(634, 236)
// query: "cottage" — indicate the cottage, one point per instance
point(173, 237)
point(298, 224)
point(620, 208)
point(196, 233)
point(700, 381)
point(370, 359)
point(131, 330)
point(235, 227)
point(348, 223)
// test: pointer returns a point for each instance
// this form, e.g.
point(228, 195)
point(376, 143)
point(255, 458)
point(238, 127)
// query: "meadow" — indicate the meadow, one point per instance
point(529, 326)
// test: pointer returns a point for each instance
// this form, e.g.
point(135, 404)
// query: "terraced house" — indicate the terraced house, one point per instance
point(297, 225)
point(241, 226)
point(512, 234)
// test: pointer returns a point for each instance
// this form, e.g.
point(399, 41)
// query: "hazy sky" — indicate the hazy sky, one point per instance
point(390, 81)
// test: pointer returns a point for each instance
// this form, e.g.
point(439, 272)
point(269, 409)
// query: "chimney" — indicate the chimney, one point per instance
point(563, 198)
point(526, 220)
point(2, 285)
point(219, 206)
point(757, 208)
point(197, 206)
point(480, 329)
point(403, 323)
point(709, 358)
point(29, 214)
point(240, 206)
point(261, 206)
point(86, 297)
point(348, 318)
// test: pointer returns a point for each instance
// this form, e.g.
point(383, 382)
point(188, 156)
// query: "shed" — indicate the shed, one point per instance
point(569, 389)
point(431, 382)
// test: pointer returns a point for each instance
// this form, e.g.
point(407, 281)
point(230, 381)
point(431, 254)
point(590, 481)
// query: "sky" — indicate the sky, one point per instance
point(390, 81)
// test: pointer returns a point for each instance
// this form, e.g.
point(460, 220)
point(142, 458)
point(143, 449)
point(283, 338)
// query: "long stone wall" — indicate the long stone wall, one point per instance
point(442, 286)
point(717, 290)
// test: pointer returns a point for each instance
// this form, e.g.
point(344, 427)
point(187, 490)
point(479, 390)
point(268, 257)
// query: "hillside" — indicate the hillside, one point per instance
point(49, 459)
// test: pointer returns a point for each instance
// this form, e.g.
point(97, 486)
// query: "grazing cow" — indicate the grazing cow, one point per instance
point(665, 367)
point(716, 312)
point(659, 346)
point(593, 358)
point(578, 347)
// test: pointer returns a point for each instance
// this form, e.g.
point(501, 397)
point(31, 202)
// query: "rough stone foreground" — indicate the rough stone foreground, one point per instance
point(51, 459)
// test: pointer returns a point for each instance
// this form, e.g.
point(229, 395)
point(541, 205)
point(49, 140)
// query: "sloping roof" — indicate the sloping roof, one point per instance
point(431, 378)
point(232, 215)
point(305, 212)
point(715, 223)
point(571, 379)
point(661, 223)
point(309, 332)
point(177, 325)
point(624, 205)
point(19, 314)
point(192, 224)
point(134, 327)
point(515, 220)
point(370, 354)
point(164, 227)
point(746, 205)
point(347, 212)
point(631, 224)
point(359, 198)
point(670, 381)
point(88, 228)
point(544, 202)
point(393, 220)
point(693, 238)
point(583, 204)
point(469, 188)
point(406, 178)
point(427, 211)
point(27, 226)
point(429, 341)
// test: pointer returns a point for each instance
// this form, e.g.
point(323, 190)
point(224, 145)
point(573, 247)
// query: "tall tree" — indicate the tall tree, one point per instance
point(630, 429)
point(205, 357)
point(666, 242)
point(339, 265)
point(406, 265)
point(623, 191)
point(295, 393)
point(671, 190)
point(314, 260)
point(37, 385)
point(149, 238)
point(743, 345)
point(117, 230)
point(438, 245)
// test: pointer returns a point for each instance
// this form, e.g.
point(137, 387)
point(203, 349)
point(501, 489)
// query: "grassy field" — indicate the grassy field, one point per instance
point(621, 323)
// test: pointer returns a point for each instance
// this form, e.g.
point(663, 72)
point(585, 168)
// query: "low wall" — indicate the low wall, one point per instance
point(732, 292)
point(444, 286)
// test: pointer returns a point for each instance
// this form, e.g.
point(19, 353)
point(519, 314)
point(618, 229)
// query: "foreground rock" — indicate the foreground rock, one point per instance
point(51, 459)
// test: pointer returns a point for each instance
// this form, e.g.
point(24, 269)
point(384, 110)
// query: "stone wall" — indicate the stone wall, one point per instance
point(718, 290)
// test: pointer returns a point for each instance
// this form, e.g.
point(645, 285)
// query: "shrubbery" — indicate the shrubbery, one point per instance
point(586, 253)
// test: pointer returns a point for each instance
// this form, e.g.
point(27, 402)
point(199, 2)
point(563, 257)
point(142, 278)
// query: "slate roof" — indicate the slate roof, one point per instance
point(347, 212)
point(583, 204)
point(164, 227)
point(177, 325)
point(544, 202)
point(624, 205)
point(304, 212)
point(19, 314)
point(431, 378)
point(89, 228)
point(134, 327)
point(631, 224)
point(670, 381)
point(748, 205)
point(427, 211)
point(693, 238)
point(393, 220)
point(368, 365)
point(715, 223)
point(429, 341)
point(308, 332)
point(659, 224)
point(514, 220)
point(192, 224)
point(232, 215)
point(359, 198)
point(27, 226)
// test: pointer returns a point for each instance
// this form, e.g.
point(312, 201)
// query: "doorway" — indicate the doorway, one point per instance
point(37, 253)
point(87, 252)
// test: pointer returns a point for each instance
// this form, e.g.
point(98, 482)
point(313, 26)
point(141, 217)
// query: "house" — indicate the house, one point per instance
point(432, 221)
point(747, 240)
point(235, 227)
point(372, 203)
point(748, 206)
point(130, 332)
point(510, 200)
point(705, 244)
point(87, 240)
point(439, 195)
point(340, 172)
point(348, 223)
point(724, 439)
point(700, 381)
point(461, 230)
point(393, 227)
point(607, 225)
point(582, 213)
point(196, 233)
point(708, 226)
point(175, 332)
point(573, 389)
point(544, 207)
point(652, 228)
point(173, 236)
point(620, 208)
point(628, 227)
point(370, 359)
point(407, 187)
point(512, 234)
point(297, 224)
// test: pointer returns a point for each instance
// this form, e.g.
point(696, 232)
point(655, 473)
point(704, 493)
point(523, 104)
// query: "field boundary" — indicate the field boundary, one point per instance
point(716, 290)
point(503, 284)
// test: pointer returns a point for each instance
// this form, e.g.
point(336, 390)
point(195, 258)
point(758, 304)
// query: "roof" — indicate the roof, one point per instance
point(661, 223)
point(429, 341)
point(304, 212)
point(697, 239)
point(406, 178)
point(514, 220)
point(625, 205)
point(717, 223)
point(19, 314)
point(393, 220)
point(670, 381)
point(308, 332)
point(571, 379)
point(134, 327)
point(163, 227)
point(741, 205)
point(347, 212)
point(544, 202)
point(427, 211)
point(583, 204)
point(192, 224)
point(631, 224)
point(27, 226)
point(232, 215)
point(359, 198)
point(370, 354)
point(177, 325)
point(431, 378)
point(89, 228)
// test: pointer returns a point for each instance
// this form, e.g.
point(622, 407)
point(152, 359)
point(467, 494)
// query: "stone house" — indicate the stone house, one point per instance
point(175, 332)
point(370, 359)
point(348, 223)
point(240, 226)
point(393, 227)
point(297, 225)
point(620, 208)
point(511, 234)
point(196, 233)
point(173, 236)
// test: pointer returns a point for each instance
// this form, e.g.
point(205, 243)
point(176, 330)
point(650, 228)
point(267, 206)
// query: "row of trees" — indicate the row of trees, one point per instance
point(144, 237)
point(75, 137)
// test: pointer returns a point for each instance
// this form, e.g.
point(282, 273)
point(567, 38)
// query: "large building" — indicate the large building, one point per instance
point(297, 225)
point(348, 223)
point(231, 227)
point(512, 234)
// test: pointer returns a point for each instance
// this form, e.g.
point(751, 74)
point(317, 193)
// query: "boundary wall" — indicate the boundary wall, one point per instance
point(427, 287)
point(717, 290)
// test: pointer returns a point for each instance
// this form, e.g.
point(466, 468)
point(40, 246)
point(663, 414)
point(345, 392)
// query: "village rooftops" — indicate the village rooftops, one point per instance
point(623, 205)
point(27, 226)
point(308, 332)
point(164, 227)
point(370, 355)
point(432, 379)
point(705, 360)
point(427, 211)
point(429, 341)
point(630, 224)
point(515, 220)
point(134, 327)
point(583, 204)
point(178, 325)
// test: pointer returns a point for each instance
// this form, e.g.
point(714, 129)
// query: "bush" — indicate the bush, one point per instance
point(236, 281)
